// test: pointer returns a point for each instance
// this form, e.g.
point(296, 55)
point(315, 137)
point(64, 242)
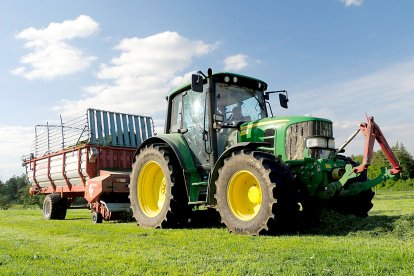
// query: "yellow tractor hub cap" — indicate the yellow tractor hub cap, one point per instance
point(152, 189)
point(244, 195)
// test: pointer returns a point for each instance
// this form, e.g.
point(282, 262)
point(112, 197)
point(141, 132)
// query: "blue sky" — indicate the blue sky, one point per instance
point(338, 59)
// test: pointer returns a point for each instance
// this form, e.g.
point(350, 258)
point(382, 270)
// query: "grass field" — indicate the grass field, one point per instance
point(343, 245)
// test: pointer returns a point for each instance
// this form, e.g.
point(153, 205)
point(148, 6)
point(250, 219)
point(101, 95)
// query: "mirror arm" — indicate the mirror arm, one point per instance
point(270, 108)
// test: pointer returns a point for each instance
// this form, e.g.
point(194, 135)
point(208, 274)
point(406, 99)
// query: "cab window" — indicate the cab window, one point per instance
point(176, 116)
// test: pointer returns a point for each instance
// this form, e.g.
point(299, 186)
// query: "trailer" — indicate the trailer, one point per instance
point(89, 156)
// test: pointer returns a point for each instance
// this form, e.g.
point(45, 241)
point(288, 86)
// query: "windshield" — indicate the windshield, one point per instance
point(239, 104)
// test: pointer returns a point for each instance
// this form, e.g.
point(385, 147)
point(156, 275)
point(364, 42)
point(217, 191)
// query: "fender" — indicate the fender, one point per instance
point(181, 150)
point(220, 162)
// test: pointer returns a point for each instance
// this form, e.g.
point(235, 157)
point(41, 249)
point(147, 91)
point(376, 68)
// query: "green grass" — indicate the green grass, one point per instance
point(343, 245)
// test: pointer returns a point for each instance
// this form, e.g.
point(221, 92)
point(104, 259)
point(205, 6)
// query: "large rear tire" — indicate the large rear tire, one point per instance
point(157, 191)
point(55, 207)
point(254, 195)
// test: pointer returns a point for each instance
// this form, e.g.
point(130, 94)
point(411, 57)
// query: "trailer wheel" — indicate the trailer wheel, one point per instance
point(157, 191)
point(55, 207)
point(254, 196)
point(97, 217)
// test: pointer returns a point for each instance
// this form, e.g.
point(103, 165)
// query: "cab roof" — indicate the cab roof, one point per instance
point(242, 80)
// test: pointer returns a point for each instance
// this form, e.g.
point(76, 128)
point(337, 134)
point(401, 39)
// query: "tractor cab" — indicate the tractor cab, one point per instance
point(210, 111)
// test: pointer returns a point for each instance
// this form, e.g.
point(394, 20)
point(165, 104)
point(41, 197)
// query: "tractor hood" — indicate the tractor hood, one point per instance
point(287, 135)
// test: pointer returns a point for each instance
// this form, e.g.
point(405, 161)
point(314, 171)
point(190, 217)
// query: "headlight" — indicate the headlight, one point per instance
point(331, 143)
point(316, 143)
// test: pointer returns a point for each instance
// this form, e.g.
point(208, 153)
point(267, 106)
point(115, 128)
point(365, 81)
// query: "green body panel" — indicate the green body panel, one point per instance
point(315, 174)
point(254, 131)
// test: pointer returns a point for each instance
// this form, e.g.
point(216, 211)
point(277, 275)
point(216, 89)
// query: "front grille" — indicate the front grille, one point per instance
point(297, 134)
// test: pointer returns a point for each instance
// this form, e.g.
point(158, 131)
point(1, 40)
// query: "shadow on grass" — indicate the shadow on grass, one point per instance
point(79, 218)
point(209, 218)
point(335, 224)
point(331, 224)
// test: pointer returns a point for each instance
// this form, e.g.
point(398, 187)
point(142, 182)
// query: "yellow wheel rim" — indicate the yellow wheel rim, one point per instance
point(152, 189)
point(244, 195)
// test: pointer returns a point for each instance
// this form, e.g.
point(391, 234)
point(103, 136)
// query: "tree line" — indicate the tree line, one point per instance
point(16, 189)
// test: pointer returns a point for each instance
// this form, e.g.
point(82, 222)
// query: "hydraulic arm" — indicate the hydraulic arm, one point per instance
point(372, 132)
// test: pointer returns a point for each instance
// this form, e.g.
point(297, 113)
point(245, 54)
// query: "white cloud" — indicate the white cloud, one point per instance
point(348, 3)
point(139, 78)
point(236, 62)
point(51, 55)
point(16, 142)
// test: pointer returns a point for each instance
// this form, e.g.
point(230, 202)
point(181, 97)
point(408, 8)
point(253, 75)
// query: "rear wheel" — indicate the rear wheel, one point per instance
point(55, 207)
point(253, 194)
point(157, 191)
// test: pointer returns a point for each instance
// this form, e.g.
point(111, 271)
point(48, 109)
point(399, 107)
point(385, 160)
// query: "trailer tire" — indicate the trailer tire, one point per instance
point(157, 191)
point(55, 207)
point(254, 194)
point(97, 217)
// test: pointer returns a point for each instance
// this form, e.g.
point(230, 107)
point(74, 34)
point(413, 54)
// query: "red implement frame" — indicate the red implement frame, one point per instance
point(372, 132)
point(117, 158)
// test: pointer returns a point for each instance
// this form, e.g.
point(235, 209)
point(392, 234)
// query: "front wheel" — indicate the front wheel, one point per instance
point(358, 205)
point(254, 195)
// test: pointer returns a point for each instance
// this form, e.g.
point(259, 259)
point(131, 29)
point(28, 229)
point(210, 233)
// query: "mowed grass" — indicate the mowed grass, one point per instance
point(343, 245)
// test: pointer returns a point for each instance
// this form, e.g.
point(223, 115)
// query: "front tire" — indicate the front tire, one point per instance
point(157, 191)
point(253, 194)
point(358, 205)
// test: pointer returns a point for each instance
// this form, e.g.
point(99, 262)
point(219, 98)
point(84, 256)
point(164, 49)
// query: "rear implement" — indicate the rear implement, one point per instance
point(89, 156)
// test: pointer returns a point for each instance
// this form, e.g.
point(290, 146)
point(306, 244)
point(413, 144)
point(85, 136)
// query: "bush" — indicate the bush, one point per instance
point(397, 185)
point(4, 202)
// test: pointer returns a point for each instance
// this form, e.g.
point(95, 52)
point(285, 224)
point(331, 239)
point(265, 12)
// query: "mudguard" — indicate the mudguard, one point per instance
point(181, 150)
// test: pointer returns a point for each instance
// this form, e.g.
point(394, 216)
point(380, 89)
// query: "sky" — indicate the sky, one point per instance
point(338, 59)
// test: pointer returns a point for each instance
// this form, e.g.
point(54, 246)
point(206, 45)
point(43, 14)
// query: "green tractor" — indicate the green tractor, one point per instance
point(263, 174)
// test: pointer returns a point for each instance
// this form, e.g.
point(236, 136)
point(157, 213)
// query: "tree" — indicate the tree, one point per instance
point(406, 161)
point(4, 199)
point(14, 185)
point(379, 160)
point(16, 191)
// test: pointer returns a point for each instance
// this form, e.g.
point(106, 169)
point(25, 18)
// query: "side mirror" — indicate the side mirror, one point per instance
point(283, 100)
point(197, 83)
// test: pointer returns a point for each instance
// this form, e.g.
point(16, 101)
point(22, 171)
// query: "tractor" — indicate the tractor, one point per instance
point(223, 149)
